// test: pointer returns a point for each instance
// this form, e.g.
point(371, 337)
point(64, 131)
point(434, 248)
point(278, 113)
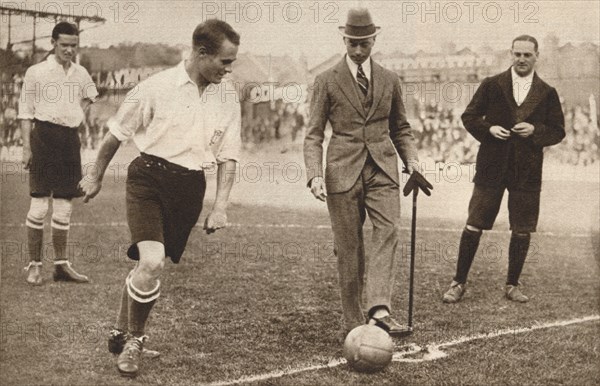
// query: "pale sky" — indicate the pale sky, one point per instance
point(310, 26)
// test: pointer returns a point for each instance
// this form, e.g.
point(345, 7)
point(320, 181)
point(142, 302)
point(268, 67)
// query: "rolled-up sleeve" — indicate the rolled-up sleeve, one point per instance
point(28, 95)
point(135, 112)
point(89, 88)
point(230, 146)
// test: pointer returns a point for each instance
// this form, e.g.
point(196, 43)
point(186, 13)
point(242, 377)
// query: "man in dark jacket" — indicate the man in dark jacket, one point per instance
point(514, 115)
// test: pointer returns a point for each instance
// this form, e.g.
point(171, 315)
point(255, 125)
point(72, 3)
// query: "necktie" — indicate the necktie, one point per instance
point(363, 82)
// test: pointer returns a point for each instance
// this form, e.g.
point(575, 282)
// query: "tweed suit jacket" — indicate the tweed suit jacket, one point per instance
point(516, 162)
point(382, 131)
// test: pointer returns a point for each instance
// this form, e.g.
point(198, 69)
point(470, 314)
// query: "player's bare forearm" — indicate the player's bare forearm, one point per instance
point(91, 183)
point(108, 148)
point(26, 125)
point(226, 174)
point(217, 218)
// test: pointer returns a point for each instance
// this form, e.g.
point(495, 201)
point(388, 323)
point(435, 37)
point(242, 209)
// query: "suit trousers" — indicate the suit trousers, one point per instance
point(375, 194)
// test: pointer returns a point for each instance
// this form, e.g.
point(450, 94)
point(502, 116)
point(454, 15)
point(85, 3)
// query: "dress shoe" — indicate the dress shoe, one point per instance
point(34, 274)
point(391, 326)
point(64, 272)
point(513, 292)
point(116, 342)
point(128, 361)
point(455, 293)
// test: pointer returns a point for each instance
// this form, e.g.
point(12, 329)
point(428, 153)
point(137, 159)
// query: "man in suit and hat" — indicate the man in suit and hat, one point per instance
point(514, 115)
point(363, 103)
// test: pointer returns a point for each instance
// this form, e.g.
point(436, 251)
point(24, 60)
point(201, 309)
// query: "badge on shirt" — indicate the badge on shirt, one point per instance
point(215, 137)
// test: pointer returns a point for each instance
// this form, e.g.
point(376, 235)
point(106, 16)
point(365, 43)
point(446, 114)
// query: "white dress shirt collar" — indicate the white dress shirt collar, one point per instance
point(521, 85)
point(354, 67)
point(56, 65)
point(182, 75)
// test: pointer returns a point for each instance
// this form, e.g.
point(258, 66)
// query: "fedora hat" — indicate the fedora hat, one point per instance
point(359, 25)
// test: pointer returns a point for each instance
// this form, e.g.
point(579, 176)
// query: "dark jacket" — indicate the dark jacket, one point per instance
point(515, 163)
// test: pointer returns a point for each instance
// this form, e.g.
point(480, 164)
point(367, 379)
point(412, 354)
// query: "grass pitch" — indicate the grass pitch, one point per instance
point(262, 296)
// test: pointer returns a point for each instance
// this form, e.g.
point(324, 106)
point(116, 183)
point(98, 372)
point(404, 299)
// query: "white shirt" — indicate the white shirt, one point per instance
point(521, 85)
point(166, 117)
point(50, 94)
point(354, 68)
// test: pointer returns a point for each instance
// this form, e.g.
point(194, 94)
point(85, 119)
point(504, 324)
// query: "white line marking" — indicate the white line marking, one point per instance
point(302, 226)
point(278, 374)
point(433, 351)
point(430, 353)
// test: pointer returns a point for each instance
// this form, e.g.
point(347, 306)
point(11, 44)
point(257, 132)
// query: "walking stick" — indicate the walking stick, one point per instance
point(414, 183)
point(413, 230)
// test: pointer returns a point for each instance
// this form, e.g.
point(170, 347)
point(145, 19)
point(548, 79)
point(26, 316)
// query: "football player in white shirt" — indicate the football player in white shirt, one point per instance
point(54, 95)
point(183, 120)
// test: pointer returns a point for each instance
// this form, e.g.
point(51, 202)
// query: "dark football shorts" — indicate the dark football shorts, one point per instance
point(55, 168)
point(164, 201)
point(523, 208)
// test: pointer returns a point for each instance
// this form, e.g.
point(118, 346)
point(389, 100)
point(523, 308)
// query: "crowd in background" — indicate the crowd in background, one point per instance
point(10, 86)
point(284, 122)
point(438, 130)
point(441, 136)
point(580, 146)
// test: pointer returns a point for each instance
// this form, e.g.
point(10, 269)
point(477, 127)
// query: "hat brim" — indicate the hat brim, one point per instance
point(342, 31)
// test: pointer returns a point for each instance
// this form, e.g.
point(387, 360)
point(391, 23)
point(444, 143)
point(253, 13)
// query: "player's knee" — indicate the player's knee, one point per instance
point(37, 212)
point(152, 258)
point(152, 265)
point(473, 229)
point(61, 213)
point(521, 234)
